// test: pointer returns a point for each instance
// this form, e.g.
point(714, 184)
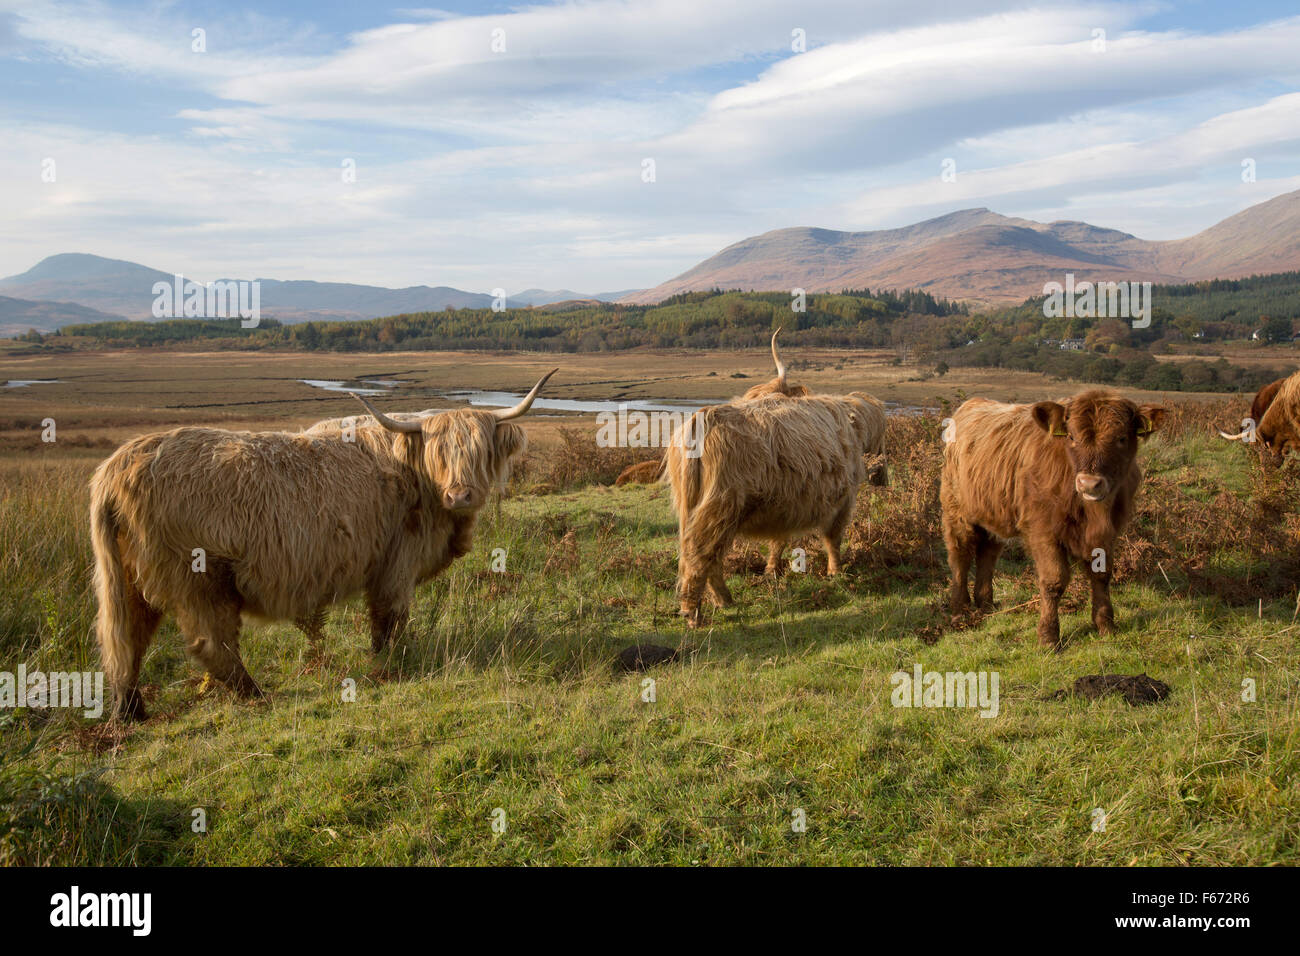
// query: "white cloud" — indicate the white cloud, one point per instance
point(523, 168)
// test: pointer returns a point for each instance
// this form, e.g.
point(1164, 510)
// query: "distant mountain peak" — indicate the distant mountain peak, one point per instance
point(982, 256)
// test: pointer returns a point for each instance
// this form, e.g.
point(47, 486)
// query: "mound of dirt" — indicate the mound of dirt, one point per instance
point(1134, 688)
point(640, 657)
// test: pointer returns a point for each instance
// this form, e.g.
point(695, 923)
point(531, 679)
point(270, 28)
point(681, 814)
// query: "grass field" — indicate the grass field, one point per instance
point(501, 704)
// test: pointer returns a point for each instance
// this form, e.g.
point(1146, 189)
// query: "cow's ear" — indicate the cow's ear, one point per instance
point(511, 440)
point(1150, 417)
point(1050, 417)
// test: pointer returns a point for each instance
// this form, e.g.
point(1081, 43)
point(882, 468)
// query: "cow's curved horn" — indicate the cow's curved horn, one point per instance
point(1237, 437)
point(505, 414)
point(776, 357)
point(390, 424)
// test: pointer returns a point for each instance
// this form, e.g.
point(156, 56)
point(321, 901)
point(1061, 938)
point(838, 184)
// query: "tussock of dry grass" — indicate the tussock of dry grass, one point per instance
point(577, 461)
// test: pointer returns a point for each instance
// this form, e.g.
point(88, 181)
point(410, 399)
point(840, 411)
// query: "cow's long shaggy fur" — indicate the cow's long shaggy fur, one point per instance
point(1278, 429)
point(1029, 471)
point(1263, 399)
point(288, 524)
point(768, 469)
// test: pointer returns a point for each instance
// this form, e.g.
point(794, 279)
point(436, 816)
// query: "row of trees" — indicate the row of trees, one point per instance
point(918, 326)
point(695, 320)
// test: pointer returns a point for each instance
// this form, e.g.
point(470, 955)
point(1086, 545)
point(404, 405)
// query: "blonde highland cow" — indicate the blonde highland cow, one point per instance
point(210, 525)
point(768, 468)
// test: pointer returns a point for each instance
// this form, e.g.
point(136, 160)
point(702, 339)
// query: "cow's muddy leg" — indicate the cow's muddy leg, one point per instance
point(1103, 612)
point(122, 665)
point(1053, 577)
point(312, 625)
point(389, 596)
point(387, 621)
point(212, 629)
point(987, 550)
point(707, 538)
point(959, 536)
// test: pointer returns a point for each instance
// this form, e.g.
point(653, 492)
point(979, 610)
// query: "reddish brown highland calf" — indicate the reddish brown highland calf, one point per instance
point(1059, 475)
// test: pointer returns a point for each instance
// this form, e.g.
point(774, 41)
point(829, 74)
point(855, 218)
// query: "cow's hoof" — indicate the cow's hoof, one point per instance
point(130, 709)
point(247, 689)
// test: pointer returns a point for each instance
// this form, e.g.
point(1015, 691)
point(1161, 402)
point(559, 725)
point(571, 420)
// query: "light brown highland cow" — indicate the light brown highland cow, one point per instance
point(1061, 476)
point(768, 469)
point(211, 524)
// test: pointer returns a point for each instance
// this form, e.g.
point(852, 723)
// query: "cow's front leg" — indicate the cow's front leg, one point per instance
point(987, 550)
point(1053, 578)
point(389, 596)
point(387, 622)
point(959, 536)
point(718, 590)
point(312, 625)
point(462, 536)
point(1103, 612)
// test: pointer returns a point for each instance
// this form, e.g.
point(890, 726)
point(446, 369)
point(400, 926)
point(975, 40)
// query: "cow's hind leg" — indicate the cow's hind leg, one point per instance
point(833, 535)
point(987, 550)
point(709, 532)
point(775, 546)
point(211, 628)
point(123, 665)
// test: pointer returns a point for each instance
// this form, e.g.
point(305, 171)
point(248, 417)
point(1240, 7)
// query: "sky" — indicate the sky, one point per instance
point(612, 144)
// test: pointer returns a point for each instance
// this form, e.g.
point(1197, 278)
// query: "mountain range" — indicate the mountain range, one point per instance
point(985, 258)
point(974, 255)
point(76, 287)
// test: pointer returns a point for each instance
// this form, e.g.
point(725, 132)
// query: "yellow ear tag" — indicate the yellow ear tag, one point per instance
point(1146, 427)
point(1061, 434)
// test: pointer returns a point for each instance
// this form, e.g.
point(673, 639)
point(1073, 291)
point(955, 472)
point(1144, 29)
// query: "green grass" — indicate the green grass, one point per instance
point(502, 695)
